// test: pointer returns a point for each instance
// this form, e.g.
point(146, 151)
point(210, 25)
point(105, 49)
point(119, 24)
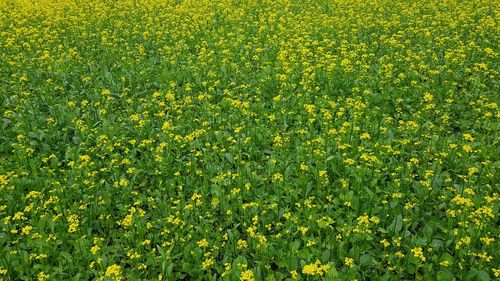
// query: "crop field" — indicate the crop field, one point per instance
point(249, 140)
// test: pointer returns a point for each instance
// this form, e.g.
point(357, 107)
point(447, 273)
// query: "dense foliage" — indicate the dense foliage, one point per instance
point(249, 140)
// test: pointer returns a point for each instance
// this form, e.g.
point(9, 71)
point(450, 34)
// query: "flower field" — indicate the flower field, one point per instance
point(249, 140)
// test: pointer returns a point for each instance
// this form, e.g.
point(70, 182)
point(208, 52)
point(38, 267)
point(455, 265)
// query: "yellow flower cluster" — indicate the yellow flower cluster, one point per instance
point(315, 268)
point(114, 271)
point(247, 275)
point(418, 253)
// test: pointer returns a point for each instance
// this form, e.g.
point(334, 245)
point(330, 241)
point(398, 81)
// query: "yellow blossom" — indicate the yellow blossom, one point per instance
point(247, 275)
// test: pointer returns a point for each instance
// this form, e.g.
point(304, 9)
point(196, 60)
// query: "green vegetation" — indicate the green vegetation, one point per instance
point(249, 140)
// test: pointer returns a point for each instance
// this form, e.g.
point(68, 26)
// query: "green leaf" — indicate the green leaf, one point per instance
point(397, 223)
point(239, 260)
point(186, 267)
point(483, 276)
point(444, 275)
point(325, 257)
point(428, 232)
point(386, 276)
point(332, 273)
point(370, 193)
point(365, 260)
point(229, 157)
point(294, 246)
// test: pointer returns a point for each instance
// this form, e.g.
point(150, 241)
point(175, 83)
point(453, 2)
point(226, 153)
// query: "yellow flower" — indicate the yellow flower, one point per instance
point(428, 97)
point(349, 262)
point(444, 263)
point(114, 270)
point(487, 240)
point(207, 263)
point(26, 230)
point(467, 148)
point(242, 244)
point(166, 126)
point(399, 255)
point(309, 269)
point(472, 171)
point(418, 253)
point(468, 137)
point(42, 276)
point(315, 268)
point(247, 275)
point(262, 239)
point(95, 249)
point(277, 177)
point(73, 223)
point(303, 229)
point(304, 167)
point(202, 243)
point(385, 243)
point(84, 158)
point(227, 268)
point(123, 182)
point(142, 266)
